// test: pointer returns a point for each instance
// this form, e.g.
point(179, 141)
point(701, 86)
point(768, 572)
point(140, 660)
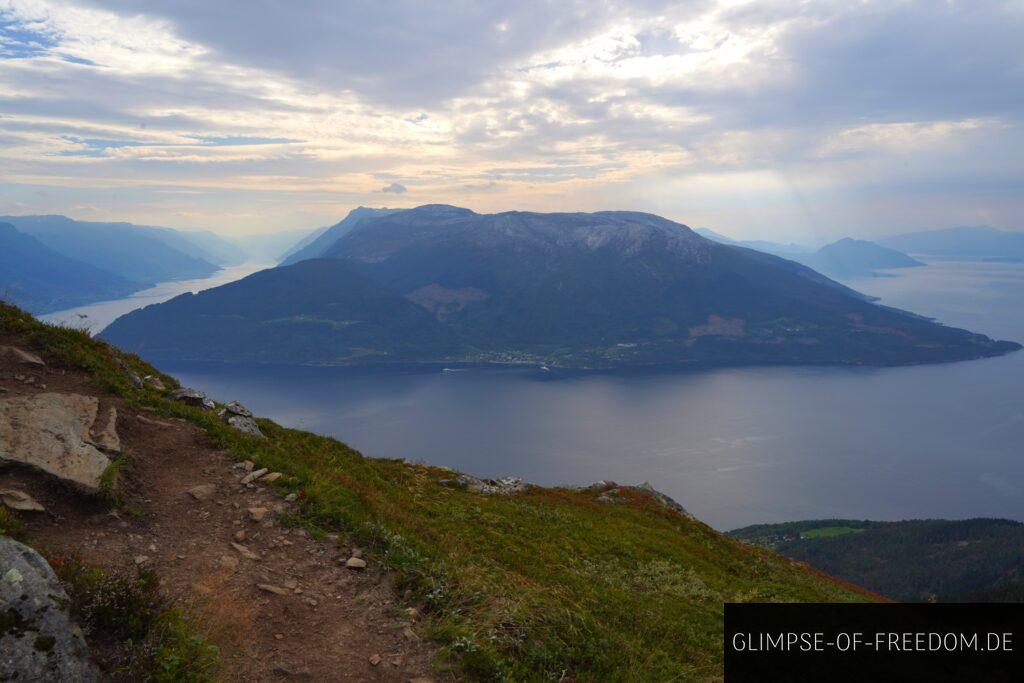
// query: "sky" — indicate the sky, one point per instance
point(773, 119)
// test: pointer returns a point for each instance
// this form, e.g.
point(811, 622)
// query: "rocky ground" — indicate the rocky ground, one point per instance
point(279, 603)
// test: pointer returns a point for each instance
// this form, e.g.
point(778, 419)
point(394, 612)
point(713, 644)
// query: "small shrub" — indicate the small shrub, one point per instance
point(152, 639)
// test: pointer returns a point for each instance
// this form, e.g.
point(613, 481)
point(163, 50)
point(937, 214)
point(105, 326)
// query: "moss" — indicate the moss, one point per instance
point(44, 643)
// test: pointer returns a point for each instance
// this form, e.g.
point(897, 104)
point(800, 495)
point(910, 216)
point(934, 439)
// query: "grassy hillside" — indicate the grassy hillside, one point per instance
point(913, 560)
point(539, 585)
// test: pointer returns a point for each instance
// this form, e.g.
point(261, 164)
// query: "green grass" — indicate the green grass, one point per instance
point(830, 532)
point(538, 586)
point(150, 639)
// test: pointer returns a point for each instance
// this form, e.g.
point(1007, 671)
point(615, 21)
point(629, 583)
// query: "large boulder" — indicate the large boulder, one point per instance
point(54, 433)
point(21, 356)
point(192, 397)
point(38, 639)
point(238, 416)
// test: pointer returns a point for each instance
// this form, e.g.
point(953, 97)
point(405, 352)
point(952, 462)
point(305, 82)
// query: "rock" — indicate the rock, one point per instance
point(156, 423)
point(240, 535)
point(51, 432)
point(192, 397)
point(248, 465)
point(272, 477)
point(39, 642)
point(203, 491)
point(288, 672)
point(663, 499)
point(355, 563)
point(375, 659)
point(291, 584)
point(236, 408)
point(271, 588)
point(104, 432)
point(412, 612)
point(141, 559)
point(154, 381)
point(291, 497)
point(254, 475)
point(505, 486)
point(243, 424)
point(19, 500)
point(229, 562)
point(245, 552)
point(356, 552)
point(135, 380)
point(257, 514)
point(21, 356)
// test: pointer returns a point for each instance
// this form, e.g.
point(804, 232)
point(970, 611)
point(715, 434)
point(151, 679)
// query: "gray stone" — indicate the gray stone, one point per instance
point(21, 356)
point(504, 486)
point(254, 475)
point(237, 408)
point(104, 432)
point(243, 424)
point(202, 491)
point(663, 499)
point(19, 500)
point(40, 642)
point(154, 381)
point(51, 432)
point(135, 380)
point(192, 397)
point(356, 563)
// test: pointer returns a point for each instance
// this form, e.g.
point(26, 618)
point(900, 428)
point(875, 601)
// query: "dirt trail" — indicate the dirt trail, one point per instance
point(315, 619)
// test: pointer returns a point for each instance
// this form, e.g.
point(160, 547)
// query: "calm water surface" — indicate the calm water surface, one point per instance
point(735, 446)
point(94, 317)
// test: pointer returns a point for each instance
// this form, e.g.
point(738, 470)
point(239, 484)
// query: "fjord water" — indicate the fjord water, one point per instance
point(734, 446)
point(94, 317)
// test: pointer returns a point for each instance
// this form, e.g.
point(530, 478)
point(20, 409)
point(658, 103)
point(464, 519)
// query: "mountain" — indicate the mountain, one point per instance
point(850, 258)
point(319, 246)
point(272, 247)
point(320, 310)
point(41, 280)
point(143, 254)
point(594, 290)
point(846, 258)
point(482, 562)
point(913, 560)
point(777, 248)
point(206, 245)
point(965, 242)
point(302, 243)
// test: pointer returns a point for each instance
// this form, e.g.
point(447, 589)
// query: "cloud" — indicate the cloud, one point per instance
point(748, 116)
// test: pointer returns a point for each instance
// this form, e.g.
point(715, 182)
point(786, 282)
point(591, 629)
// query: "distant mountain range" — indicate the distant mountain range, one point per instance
point(54, 262)
point(40, 279)
point(961, 243)
point(325, 239)
point(445, 284)
point(915, 560)
point(859, 258)
point(846, 258)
